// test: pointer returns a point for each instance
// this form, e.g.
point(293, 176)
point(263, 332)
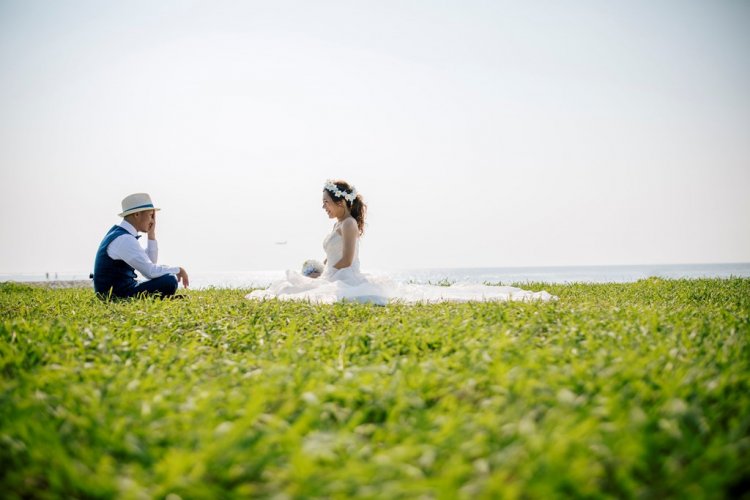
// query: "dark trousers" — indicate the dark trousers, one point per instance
point(163, 286)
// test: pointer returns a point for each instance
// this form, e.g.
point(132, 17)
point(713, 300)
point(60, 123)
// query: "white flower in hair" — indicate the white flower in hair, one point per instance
point(347, 195)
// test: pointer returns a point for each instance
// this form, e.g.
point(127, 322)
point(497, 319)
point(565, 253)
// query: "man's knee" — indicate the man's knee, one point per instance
point(171, 285)
point(165, 285)
point(162, 286)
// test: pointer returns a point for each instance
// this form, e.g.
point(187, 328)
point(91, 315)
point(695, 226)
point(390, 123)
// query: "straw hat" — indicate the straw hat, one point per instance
point(137, 202)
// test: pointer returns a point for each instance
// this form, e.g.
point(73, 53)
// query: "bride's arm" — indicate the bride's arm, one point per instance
point(349, 234)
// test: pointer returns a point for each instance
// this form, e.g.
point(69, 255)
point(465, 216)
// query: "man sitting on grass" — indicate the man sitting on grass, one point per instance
point(120, 255)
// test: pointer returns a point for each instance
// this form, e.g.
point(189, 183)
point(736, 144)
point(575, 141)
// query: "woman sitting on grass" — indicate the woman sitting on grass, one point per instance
point(339, 277)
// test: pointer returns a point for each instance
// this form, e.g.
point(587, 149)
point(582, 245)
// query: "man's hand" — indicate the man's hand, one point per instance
point(182, 276)
point(152, 228)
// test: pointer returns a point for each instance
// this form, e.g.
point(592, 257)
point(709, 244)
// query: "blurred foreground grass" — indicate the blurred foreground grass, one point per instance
point(622, 390)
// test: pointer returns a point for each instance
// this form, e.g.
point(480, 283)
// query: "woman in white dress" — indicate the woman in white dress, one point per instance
point(342, 280)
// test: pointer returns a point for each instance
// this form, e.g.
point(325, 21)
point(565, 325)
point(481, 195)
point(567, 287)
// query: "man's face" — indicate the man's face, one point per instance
point(144, 220)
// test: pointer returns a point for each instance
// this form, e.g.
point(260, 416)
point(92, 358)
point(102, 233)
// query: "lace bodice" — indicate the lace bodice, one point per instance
point(333, 244)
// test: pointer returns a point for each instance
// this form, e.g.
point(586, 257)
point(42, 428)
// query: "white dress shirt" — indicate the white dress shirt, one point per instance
point(127, 248)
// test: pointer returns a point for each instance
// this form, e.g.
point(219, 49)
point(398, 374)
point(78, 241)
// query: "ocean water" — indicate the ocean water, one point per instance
point(504, 275)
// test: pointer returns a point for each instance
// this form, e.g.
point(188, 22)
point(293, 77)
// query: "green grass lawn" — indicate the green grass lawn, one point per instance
point(620, 390)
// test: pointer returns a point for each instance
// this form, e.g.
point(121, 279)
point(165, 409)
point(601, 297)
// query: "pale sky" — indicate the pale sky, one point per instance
point(481, 133)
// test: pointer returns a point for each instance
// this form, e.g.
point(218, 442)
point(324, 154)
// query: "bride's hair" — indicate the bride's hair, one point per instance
point(356, 207)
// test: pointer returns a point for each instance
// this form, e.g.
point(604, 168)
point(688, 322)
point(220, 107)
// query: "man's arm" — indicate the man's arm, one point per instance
point(126, 248)
point(152, 247)
point(152, 250)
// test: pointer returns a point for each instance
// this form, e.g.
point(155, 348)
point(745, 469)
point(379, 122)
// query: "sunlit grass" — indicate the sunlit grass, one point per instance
point(614, 390)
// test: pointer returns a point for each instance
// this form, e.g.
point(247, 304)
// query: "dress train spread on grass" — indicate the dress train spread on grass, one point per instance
point(351, 285)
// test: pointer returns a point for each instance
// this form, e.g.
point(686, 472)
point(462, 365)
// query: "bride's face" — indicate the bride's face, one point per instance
point(332, 208)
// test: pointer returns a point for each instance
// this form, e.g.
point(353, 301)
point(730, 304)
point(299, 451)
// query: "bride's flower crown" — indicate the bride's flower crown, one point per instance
point(333, 188)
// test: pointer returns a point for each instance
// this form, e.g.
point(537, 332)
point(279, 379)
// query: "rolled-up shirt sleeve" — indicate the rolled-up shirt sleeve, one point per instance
point(127, 248)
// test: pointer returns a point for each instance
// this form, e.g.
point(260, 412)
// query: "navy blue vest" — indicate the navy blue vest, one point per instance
point(111, 274)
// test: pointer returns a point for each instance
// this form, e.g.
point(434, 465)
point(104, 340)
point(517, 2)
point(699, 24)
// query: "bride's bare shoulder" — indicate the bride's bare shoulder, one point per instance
point(348, 226)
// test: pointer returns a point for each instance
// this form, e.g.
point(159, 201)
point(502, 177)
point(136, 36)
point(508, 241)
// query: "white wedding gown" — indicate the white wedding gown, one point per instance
point(349, 284)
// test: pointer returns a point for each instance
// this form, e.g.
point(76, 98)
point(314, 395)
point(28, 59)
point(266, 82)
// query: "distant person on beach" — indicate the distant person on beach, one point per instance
point(120, 255)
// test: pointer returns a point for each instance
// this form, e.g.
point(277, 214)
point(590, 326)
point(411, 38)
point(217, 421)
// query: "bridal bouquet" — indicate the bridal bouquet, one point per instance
point(312, 266)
